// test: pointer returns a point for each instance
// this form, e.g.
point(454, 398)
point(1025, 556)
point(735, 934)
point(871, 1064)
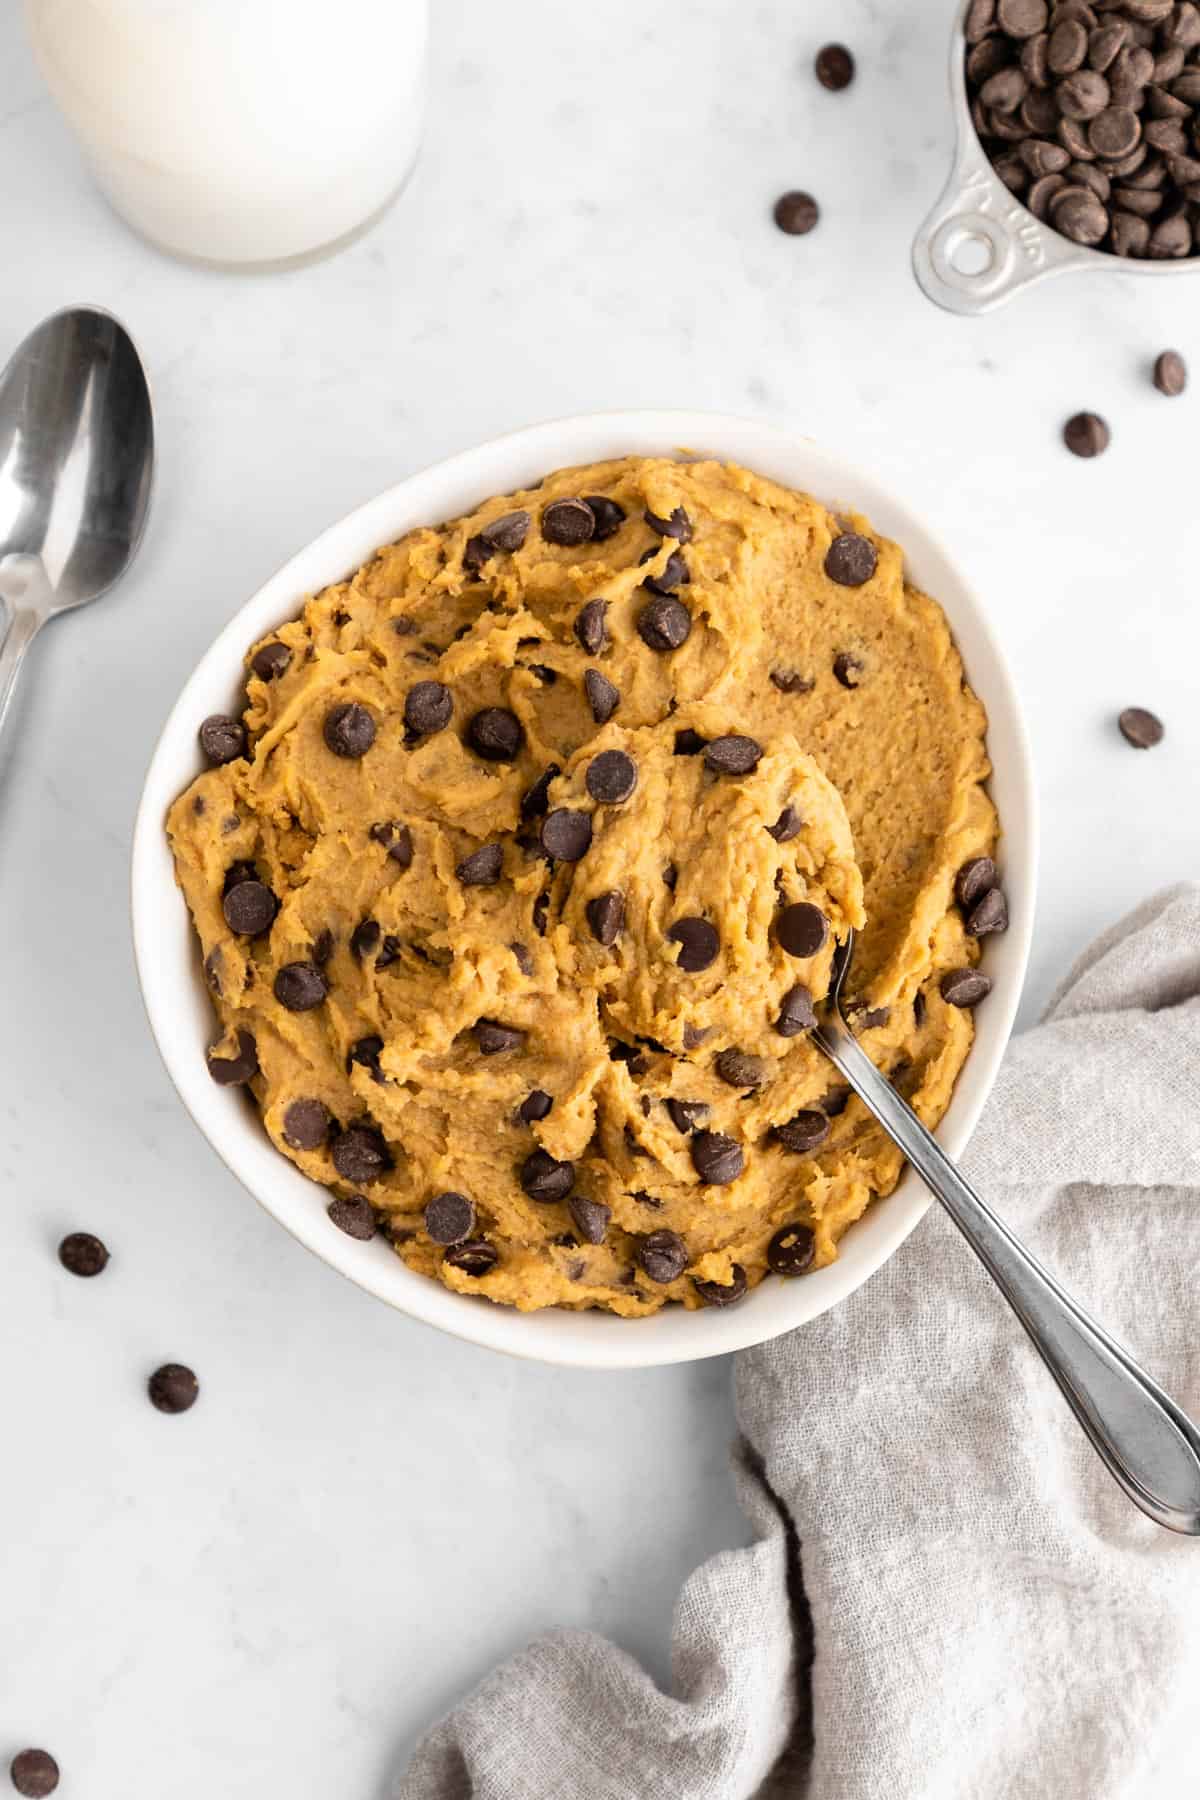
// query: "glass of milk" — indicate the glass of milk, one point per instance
point(240, 132)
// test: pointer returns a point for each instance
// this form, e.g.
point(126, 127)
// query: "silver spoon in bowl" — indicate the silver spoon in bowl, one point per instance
point(1147, 1442)
point(76, 463)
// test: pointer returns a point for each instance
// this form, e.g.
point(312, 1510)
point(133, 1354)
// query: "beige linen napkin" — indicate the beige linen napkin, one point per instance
point(948, 1597)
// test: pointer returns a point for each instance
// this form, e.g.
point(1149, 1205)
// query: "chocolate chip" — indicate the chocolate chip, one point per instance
point(1068, 47)
point(568, 522)
point(851, 559)
point(835, 70)
point(980, 20)
point(536, 1105)
point(212, 969)
point(717, 1159)
point(671, 877)
point(964, 987)
point(678, 526)
point(508, 532)
point(364, 1054)
point(483, 867)
point(698, 943)
point(389, 951)
point(523, 957)
point(1086, 434)
point(360, 1155)
point(1105, 42)
point(355, 1216)
point(664, 624)
point(796, 213)
point(602, 696)
point(1115, 131)
point(364, 938)
point(796, 1013)
point(686, 1114)
point(404, 626)
point(590, 1218)
point(787, 826)
point(1130, 235)
point(611, 777)
point(398, 841)
point(428, 707)
point(496, 734)
point(608, 514)
point(1140, 728)
point(591, 626)
point(82, 1254)
point(322, 948)
point(733, 755)
point(1170, 373)
point(475, 554)
point(222, 739)
point(545, 674)
point(674, 573)
point(791, 681)
point(974, 880)
point(689, 742)
point(1173, 237)
point(919, 1009)
point(349, 730)
point(475, 1257)
point(872, 1018)
point(663, 1256)
point(988, 914)
point(1079, 216)
point(34, 1773)
point(235, 1071)
point(449, 1218)
point(848, 668)
point(717, 1293)
point(541, 908)
point(567, 834)
point(493, 1038)
point(737, 1070)
point(804, 1133)
point(606, 917)
point(306, 1124)
point(173, 1388)
point(300, 986)
point(1042, 193)
point(544, 1179)
point(271, 661)
point(695, 1035)
point(250, 908)
point(802, 928)
point(791, 1250)
point(535, 799)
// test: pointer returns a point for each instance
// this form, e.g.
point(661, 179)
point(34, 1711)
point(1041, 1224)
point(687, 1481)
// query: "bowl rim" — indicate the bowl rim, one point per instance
point(167, 967)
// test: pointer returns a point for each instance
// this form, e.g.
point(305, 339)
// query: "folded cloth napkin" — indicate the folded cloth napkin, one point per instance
point(948, 1597)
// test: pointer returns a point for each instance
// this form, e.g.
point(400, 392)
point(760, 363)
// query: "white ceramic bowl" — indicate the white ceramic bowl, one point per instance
point(169, 966)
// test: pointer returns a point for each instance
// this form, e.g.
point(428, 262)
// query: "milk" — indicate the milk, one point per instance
point(240, 131)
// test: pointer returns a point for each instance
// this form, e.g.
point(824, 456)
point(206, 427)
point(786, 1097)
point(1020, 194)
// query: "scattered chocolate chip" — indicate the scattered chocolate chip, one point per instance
point(34, 1773)
point(82, 1254)
point(698, 943)
point(1170, 373)
point(602, 696)
point(802, 928)
point(1140, 728)
point(695, 1035)
point(717, 1293)
point(737, 1070)
point(496, 734)
point(567, 834)
point(349, 730)
point(788, 825)
point(365, 1053)
point(988, 914)
point(235, 1071)
point(322, 948)
point(475, 553)
point(544, 1179)
point(483, 867)
point(428, 707)
point(493, 1038)
point(678, 526)
point(671, 877)
point(663, 1256)
point(611, 777)
point(404, 626)
point(173, 1388)
point(791, 681)
point(664, 624)
point(568, 522)
point(689, 742)
point(636, 1067)
point(835, 1102)
point(590, 1218)
point(300, 986)
point(306, 1124)
point(389, 951)
point(964, 987)
point(872, 1018)
point(272, 661)
point(360, 1155)
point(919, 1009)
point(685, 1115)
point(796, 213)
point(851, 559)
point(804, 1133)
point(474, 1257)
point(355, 1216)
point(974, 880)
point(1086, 434)
point(397, 839)
point(1079, 216)
point(608, 514)
point(249, 907)
point(541, 908)
point(733, 755)
point(674, 573)
point(791, 1250)
point(835, 70)
point(717, 1159)
point(364, 938)
point(848, 669)
point(449, 1218)
point(222, 739)
point(508, 532)
point(536, 1105)
point(591, 626)
point(535, 799)
point(796, 1013)
point(524, 958)
point(606, 917)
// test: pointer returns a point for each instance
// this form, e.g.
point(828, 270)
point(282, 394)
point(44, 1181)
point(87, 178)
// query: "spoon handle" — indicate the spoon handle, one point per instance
point(1149, 1445)
point(22, 630)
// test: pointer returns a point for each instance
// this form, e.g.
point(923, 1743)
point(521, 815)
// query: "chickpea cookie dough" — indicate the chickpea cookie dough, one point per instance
point(520, 877)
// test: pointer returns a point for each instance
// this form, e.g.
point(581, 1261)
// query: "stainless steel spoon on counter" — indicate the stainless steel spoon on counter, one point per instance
point(1149, 1445)
point(76, 463)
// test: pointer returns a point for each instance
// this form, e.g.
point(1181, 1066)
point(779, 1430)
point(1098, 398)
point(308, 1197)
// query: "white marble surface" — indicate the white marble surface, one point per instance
point(273, 1594)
